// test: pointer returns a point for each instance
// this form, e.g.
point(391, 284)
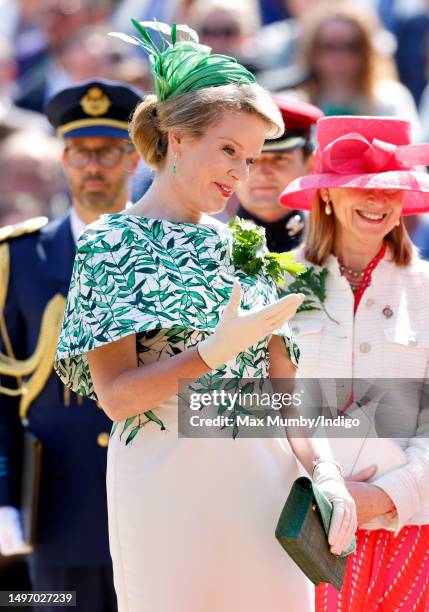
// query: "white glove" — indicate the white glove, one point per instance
point(11, 536)
point(235, 333)
point(344, 519)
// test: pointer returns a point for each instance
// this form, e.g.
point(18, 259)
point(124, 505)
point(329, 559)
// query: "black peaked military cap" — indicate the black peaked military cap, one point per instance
point(93, 108)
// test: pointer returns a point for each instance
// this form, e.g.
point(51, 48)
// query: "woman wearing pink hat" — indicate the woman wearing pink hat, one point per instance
point(373, 323)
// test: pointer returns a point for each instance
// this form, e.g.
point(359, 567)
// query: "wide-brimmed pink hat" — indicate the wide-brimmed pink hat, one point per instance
point(364, 153)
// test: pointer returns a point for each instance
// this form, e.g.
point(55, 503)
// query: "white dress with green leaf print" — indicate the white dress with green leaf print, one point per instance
point(191, 521)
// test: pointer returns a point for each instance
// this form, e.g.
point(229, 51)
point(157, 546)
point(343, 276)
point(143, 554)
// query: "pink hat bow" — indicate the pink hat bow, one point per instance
point(368, 153)
point(354, 154)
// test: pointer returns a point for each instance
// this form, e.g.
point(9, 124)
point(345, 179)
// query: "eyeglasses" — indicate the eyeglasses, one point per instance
point(108, 157)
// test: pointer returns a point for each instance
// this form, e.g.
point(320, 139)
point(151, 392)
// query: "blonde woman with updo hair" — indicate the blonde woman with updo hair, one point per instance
point(156, 299)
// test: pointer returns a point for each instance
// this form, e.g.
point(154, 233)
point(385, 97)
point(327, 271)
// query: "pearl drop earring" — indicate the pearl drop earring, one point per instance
point(328, 208)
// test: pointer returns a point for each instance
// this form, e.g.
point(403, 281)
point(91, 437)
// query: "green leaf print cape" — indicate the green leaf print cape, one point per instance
point(134, 275)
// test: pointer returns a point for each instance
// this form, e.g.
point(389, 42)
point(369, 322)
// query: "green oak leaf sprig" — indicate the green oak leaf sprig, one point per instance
point(250, 254)
point(312, 284)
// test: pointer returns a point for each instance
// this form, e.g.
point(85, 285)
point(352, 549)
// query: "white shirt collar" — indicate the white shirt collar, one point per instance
point(77, 225)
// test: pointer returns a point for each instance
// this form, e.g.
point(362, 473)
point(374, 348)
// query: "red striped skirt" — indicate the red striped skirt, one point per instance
point(385, 574)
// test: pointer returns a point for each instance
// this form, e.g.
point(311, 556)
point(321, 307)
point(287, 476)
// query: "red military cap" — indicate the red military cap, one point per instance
point(298, 117)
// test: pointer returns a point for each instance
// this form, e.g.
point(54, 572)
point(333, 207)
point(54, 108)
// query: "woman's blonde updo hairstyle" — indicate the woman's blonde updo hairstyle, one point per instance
point(194, 112)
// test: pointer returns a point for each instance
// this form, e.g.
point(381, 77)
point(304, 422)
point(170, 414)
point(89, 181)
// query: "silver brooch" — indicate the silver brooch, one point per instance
point(388, 312)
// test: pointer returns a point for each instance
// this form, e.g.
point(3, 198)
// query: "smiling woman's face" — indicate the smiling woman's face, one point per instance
point(209, 168)
point(364, 215)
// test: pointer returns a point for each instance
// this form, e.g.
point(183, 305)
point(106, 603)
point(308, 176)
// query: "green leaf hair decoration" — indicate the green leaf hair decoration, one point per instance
point(184, 65)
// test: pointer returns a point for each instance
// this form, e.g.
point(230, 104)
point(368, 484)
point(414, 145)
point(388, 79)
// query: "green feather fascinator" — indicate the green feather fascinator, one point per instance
point(183, 65)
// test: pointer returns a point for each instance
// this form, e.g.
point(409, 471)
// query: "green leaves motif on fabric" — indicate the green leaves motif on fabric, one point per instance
point(165, 282)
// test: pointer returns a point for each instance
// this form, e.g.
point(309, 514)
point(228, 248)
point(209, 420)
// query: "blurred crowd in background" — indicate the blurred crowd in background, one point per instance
point(345, 56)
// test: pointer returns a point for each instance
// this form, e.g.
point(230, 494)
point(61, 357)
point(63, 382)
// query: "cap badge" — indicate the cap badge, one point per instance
point(295, 225)
point(95, 102)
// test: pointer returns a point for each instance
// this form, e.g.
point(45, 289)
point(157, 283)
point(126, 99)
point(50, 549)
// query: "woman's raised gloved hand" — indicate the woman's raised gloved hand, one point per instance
point(236, 332)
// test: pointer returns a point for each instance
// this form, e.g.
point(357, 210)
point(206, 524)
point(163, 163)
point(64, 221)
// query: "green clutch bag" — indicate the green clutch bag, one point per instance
point(303, 529)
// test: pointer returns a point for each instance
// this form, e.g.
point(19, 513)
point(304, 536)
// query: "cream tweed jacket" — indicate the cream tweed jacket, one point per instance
point(375, 344)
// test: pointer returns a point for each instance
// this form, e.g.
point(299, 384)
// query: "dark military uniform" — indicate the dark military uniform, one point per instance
point(282, 235)
point(71, 548)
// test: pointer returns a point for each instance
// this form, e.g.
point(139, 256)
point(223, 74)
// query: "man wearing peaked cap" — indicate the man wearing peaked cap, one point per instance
point(281, 161)
point(92, 118)
point(93, 108)
point(71, 550)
